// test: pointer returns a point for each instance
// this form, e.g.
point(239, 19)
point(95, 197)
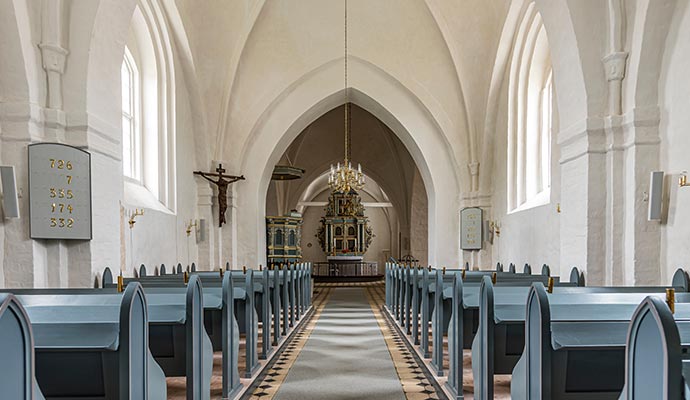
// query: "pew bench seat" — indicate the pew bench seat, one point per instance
point(588, 335)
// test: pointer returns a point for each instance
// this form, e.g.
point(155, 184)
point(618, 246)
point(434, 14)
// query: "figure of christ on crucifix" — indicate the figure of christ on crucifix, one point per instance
point(222, 182)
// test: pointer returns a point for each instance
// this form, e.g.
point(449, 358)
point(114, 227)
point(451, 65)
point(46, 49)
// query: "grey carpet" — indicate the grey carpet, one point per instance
point(345, 357)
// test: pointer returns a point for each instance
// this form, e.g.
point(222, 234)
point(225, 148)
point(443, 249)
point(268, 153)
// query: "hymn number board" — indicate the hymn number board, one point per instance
point(471, 223)
point(59, 192)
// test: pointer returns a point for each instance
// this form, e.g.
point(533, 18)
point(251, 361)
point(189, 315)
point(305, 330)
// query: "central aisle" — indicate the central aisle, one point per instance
point(345, 356)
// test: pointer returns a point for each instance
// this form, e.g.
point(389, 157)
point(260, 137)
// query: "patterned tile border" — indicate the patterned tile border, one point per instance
point(414, 377)
point(268, 382)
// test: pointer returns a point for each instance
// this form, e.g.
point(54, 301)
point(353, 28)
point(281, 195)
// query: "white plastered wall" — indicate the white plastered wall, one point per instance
point(674, 87)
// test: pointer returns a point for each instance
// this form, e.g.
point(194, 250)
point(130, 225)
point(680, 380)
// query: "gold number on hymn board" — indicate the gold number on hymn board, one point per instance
point(69, 179)
point(61, 193)
point(62, 223)
point(60, 164)
point(61, 207)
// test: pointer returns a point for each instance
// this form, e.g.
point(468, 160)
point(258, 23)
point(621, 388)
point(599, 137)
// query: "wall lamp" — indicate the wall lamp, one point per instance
point(192, 224)
point(133, 217)
point(683, 180)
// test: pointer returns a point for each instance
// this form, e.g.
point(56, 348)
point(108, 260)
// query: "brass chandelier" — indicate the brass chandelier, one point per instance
point(344, 178)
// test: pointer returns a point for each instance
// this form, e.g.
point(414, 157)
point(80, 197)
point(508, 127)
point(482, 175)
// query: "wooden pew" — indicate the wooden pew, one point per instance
point(468, 308)
point(500, 337)
point(94, 347)
point(17, 349)
point(177, 338)
point(407, 292)
point(219, 309)
point(219, 313)
point(527, 269)
point(293, 290)
point(575, 344)
point(262, 301)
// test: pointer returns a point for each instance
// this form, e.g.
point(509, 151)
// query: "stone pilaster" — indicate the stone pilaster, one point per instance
point(208, 232)
point(583, 199)
point(642, 237)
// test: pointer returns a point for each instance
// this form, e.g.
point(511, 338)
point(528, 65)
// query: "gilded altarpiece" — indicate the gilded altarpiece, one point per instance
point(345, 230)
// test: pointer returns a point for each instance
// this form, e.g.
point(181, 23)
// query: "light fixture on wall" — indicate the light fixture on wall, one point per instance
point(344, 178)
point(495, 227)
point(133, 217)
point(683, 180)
point(192, 224)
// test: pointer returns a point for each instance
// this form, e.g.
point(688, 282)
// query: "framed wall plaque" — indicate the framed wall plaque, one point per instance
point(59, 192)
point(471, 226)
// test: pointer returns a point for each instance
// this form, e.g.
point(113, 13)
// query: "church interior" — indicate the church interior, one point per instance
point(344, 199)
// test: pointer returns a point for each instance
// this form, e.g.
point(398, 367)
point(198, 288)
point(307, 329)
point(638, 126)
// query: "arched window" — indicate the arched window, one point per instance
point(530, 115)
point(131, 128)
point(148, 112)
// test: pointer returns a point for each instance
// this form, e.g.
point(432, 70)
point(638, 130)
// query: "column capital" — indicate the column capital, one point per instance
point(54, 57)
point(473, 168)
point(614, 64)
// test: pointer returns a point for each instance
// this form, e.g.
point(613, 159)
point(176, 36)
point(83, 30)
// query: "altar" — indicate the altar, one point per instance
point(340, 268)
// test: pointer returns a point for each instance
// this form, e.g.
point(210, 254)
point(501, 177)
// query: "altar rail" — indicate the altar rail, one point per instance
point(346, 269)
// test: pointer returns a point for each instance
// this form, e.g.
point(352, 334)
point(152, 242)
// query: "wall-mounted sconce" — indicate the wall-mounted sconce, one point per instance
point(495, 227)
point(683, 180)
point(558, 208)
point(192, 224)
point(133, 217)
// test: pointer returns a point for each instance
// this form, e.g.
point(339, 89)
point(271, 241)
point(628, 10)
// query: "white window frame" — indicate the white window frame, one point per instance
point(154, 183)
point(132, 116)
point(530, 117)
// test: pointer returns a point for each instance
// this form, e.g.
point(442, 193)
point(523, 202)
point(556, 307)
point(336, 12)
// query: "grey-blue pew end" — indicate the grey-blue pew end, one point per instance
point(212, 314)
point(219, 307)
point(441, 314)
point(94, 347)
point(178, 339)
point(577, 277)
point(656, 365)
point(17, 349)
point(527, 269)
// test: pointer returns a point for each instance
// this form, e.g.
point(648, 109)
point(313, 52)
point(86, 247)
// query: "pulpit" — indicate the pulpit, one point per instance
point(284, 238)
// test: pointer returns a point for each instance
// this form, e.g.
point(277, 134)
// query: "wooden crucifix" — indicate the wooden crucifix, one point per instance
point(222, 182)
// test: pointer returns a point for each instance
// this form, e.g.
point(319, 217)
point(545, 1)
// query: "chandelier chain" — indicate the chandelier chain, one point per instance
point(347, 98)
point(345, 178)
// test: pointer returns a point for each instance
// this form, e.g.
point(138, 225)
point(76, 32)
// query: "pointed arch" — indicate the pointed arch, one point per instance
point(380, 94)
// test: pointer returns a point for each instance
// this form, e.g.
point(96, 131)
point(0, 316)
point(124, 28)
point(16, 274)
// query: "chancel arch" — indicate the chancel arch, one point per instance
point(384, 97)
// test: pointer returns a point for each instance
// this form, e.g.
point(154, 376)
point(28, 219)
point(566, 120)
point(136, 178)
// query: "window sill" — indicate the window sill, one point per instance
point(541, 199)
point(137, 195)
